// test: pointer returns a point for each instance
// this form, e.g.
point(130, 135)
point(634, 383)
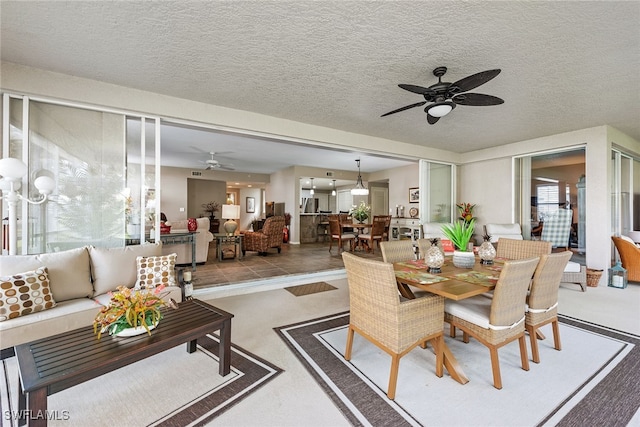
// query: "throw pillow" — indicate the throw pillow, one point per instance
point(156, 270)
point(25, 293)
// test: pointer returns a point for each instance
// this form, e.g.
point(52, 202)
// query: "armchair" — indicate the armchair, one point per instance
point(270, 236)
point(630, 257)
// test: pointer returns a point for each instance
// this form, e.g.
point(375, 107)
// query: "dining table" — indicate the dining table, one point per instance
point(360, 226)
point(453, 283)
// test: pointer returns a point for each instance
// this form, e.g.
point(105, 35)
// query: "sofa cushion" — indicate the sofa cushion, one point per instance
point(156, 270)
point(69, 271)
point(113, 267)
point(25, 293)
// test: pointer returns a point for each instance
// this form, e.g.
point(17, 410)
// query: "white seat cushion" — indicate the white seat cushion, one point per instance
point(572, 267)
point(475, 310)
point(508, 231)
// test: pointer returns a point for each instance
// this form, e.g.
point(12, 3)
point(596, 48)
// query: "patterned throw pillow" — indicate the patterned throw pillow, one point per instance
point(25, 293)
point(156, 270)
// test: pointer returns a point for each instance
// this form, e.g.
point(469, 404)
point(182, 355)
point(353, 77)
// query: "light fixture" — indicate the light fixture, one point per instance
point(312, 192)
point(333, 192)
point(440, 109)
point(12, 171)
point(230, 213)
point(359, 189)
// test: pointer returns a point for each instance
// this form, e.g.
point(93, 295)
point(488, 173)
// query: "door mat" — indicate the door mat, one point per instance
point(310, 288)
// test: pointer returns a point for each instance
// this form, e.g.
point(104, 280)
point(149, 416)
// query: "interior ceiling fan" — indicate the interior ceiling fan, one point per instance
point(444, 96)
point(213, 164)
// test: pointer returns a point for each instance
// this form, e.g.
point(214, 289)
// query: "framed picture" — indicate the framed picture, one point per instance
point(414, 195)
point(251, 205)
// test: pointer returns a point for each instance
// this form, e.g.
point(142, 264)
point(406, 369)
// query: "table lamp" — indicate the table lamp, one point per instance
point(230, 213)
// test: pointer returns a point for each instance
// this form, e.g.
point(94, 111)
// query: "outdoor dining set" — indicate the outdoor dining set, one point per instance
point(398, 304)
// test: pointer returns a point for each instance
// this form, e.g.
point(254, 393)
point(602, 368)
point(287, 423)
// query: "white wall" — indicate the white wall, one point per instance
point(245, 217)
point(400, 180)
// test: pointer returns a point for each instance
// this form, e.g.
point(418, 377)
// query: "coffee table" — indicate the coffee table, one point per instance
point(52, 364)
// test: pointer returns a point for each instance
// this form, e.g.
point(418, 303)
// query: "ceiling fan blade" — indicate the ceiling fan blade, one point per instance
point(477, 99)
point(417, 104)
point(431, 119)
point(226, 167)
point(417, 89)
point(475, 80)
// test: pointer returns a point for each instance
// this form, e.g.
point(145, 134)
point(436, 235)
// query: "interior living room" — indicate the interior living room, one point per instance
point(214, 126)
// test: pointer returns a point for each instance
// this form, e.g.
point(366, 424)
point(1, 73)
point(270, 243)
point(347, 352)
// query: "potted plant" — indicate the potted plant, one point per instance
point(211, 208)
point(460, 234)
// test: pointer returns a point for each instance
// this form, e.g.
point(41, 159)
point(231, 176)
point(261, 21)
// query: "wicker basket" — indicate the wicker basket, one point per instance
point(593, 277)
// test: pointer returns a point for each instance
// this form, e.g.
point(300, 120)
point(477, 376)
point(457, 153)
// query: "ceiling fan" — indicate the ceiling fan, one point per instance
point(445, 96)
point(213, 164)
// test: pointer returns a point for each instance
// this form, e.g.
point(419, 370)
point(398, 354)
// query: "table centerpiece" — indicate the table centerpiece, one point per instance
point(460, 234)
point(360, 212)
point(130, 312)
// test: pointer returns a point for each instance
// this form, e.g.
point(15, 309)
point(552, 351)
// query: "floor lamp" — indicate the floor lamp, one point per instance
point(12, 171)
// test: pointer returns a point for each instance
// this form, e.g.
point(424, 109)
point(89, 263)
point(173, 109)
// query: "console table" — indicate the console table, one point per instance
point(405, 228)
point(173, 239)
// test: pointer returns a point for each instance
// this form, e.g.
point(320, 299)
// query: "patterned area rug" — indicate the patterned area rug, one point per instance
point(592, 381)
point(310, 288)
point(172, 388)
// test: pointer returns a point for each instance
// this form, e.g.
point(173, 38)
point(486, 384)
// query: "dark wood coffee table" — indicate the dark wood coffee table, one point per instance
point(52, 364)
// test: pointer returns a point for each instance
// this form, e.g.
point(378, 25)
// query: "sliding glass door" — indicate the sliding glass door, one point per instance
point(84, 151)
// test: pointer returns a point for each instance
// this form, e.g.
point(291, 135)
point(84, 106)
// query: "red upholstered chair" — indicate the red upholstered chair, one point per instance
point(270, 236)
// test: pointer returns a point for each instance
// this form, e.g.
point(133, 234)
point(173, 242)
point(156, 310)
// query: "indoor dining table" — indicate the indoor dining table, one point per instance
point(453, 283)
point(360, 226)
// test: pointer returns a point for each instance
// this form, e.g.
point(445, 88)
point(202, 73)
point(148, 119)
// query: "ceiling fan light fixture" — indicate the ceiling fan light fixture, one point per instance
point(359, 189)
point(441, 109)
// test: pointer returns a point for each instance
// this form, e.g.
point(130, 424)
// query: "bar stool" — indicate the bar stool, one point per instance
point(322, 229)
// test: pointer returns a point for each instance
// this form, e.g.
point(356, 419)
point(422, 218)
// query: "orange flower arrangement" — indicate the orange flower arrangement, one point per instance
point(129, 308)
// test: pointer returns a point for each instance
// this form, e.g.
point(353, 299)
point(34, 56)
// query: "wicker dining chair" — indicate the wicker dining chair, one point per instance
point(336, 233)
point(497, 321)
point(542, 302)
point(397, 250)
point(521, 249)
point(395, 325)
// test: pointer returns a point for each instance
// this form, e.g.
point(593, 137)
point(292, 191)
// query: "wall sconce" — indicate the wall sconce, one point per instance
point(12, 171)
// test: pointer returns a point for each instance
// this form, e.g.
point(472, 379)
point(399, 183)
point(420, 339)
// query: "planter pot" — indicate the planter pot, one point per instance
point(132, 332)
point(464, 259)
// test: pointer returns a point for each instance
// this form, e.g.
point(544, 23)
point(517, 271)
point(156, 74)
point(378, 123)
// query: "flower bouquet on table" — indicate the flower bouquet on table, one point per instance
point(130, 308)
point(360, 212)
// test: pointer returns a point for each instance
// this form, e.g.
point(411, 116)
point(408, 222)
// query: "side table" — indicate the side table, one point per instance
point(235, 240)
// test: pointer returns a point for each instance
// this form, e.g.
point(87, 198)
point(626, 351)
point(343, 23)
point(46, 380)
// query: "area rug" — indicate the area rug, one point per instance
point(310, 288)
point(172, 388)
point(592, 381)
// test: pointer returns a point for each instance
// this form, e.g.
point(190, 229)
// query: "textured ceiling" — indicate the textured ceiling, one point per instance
point(565, 65)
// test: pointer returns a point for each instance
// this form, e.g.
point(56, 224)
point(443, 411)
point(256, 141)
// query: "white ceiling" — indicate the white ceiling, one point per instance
point(565, 66)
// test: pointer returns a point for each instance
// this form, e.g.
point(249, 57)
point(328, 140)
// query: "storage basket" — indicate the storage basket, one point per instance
point(593, 277)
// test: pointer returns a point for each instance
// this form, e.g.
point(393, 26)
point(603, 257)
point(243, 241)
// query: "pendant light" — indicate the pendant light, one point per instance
point(333, 192)
point(312, 192)
point(359, 189)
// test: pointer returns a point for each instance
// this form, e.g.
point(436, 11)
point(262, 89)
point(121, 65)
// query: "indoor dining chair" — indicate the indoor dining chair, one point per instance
point(395, 325)
point(497, 321)
point(375, 234)
point(542, 302)
point(336, 233)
